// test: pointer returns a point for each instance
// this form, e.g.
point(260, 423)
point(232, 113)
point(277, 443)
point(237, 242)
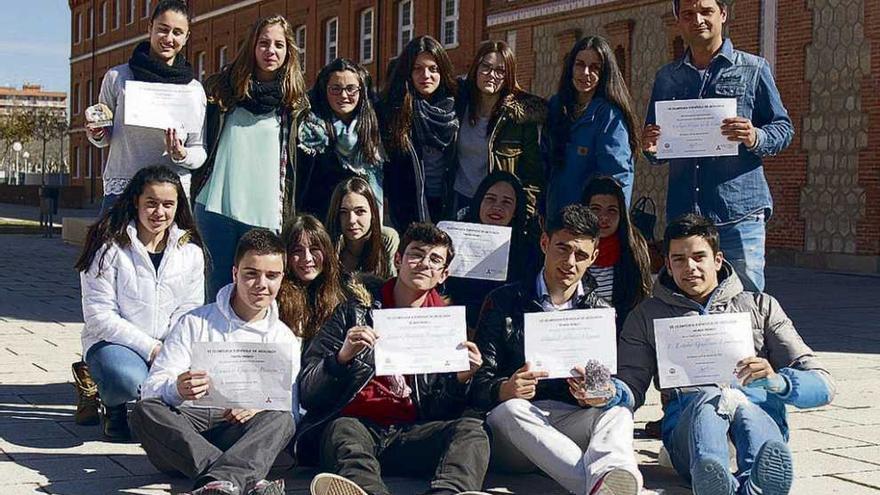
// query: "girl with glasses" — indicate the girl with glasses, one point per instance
point(500, 127)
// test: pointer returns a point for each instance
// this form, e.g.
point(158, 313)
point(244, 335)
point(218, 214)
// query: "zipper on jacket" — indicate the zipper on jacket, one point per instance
point(498, 123)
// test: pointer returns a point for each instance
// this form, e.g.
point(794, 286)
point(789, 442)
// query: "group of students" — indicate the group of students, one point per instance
point(293, 214)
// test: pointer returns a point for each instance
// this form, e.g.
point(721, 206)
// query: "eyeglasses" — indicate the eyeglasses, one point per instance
point(351, 90)
point(434, 261)
point(487, 69)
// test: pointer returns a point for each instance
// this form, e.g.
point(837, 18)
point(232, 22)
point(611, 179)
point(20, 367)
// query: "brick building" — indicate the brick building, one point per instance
point(825, 53)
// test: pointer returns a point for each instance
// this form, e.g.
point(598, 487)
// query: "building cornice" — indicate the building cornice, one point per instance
point(547, 9)
point(137, 39)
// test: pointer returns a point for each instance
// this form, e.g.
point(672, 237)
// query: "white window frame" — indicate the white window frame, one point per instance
point(331, 45)
point(147, 9)
point(221, 57)
point(200, 66)
point(446, 19)
point(91, 23)
point(300, 38)
point(104, 15)
point(365, 56)
point(117, 14)
point(89, 162)
point(405, 25)
point(511, 40)
point(132, 9)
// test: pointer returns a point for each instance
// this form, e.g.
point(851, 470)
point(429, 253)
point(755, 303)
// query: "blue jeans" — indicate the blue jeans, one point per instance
point(221, 235)
point(118, 371)
point(743, 246)
point(701, 432)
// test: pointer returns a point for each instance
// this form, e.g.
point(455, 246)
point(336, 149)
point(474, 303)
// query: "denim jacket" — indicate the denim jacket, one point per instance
point(597, 143)
point(725, 189)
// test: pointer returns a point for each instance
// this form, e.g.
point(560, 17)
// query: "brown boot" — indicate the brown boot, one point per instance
point(86, 395)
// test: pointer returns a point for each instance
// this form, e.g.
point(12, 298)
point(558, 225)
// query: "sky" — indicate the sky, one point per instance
point(35, 43)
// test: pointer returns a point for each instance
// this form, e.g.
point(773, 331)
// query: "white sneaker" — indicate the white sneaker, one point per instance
point(617, 482)
point(331, 484)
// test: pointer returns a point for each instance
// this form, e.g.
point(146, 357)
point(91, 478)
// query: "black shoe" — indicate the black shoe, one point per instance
point(86, 395)
point(116, 423)
point(653, 429)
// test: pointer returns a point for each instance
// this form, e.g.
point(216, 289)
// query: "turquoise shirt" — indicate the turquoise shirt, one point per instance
point(245, 184)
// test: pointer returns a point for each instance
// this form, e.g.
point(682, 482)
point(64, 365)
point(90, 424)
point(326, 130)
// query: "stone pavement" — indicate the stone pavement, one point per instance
point(42, 450)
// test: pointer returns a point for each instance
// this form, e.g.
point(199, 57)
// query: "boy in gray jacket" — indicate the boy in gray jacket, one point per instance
point(698, 281)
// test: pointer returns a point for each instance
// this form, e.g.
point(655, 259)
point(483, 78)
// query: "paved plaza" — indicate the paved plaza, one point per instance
point(42, 450)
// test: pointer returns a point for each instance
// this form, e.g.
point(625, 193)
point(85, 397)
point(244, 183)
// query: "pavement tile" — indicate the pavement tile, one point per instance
point(21, 430)
point(870, 434)
point(869, 453)
point(829, 485)
point(862, 416)
point(43, 471)
point(67, 448)
point(151, 485)
point(867, 480)
point(804, 440)
point(818, 420)
point(818, 463)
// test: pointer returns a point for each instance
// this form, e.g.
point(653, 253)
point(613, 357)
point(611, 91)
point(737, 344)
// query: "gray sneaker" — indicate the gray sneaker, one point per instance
point(215, 488)
point(266, 487)
point(332, 484)
point(617, 482)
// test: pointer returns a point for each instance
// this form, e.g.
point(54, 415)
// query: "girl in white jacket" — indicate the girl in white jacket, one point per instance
point(141, 269)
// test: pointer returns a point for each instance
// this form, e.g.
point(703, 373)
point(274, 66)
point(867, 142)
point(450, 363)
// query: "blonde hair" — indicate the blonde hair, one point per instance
point(232, 84)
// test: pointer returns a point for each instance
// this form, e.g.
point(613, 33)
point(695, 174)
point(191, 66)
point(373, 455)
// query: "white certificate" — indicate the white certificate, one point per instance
point(557, 341)
point(420, 340)
point(692, 128)
point(481, 251)
point(702, 350)
point(245, 375)
point(163, 106)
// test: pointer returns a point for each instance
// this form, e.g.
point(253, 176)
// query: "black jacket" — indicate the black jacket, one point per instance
point(326, 387)
point(500, 337)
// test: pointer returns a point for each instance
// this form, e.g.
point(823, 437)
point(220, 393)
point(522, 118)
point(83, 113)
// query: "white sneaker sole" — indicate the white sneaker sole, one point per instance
point(619, 482)
point(331, 484)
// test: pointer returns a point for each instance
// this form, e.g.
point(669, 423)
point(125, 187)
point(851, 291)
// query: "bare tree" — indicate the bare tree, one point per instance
point(48, 125)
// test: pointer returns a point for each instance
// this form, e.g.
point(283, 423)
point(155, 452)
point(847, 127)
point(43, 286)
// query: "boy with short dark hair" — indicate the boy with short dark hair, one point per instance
point(584, 444)
point(181, 437)
point(697, 280)
point(364, 424)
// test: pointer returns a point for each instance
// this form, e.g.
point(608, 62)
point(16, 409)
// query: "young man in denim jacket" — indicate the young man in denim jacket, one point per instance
point(730, 190)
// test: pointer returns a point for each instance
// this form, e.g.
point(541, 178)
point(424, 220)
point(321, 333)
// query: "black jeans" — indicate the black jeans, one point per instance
point(454, 453)
point(201, 445)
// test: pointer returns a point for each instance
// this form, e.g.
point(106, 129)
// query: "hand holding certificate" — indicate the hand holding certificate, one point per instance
point(558, 341)
point(245, 375)
point(692, 128)
point(163, 106)
point(481, 251)
point(702, 350)
point(420, 340)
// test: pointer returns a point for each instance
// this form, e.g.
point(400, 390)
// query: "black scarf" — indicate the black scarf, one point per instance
point(434, 122)
point(265, 97)
point(147, 69)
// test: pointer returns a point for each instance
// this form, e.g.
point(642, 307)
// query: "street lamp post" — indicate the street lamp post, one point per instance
point(26, 155)
point(16, 147)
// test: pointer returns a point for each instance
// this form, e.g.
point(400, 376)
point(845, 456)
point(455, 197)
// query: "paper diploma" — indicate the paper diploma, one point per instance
point(692, 128)
point(420, 340)
point(245, 375)
point(481, 251)
point(163, 106)
point(702, 350)
point(557, 341)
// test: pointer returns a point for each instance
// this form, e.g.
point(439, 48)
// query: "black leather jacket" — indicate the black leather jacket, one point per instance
point(326, 387)
point(500, 339)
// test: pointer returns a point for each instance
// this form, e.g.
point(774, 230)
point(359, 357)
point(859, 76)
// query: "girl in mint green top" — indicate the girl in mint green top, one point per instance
point(255, 105)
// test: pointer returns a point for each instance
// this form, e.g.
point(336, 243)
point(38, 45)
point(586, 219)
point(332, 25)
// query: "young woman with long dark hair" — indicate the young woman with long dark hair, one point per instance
point(592, 126)
point(623, 269)
point(340, 138)
point(142, 268)
point(500, 126)
point(500, 200)
point(419, 124)
point(255, 106)
point(156, 60)
point(354, 222)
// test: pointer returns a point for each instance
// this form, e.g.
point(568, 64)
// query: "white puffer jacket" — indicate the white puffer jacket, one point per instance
point(215, 322)
point(129, 303)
